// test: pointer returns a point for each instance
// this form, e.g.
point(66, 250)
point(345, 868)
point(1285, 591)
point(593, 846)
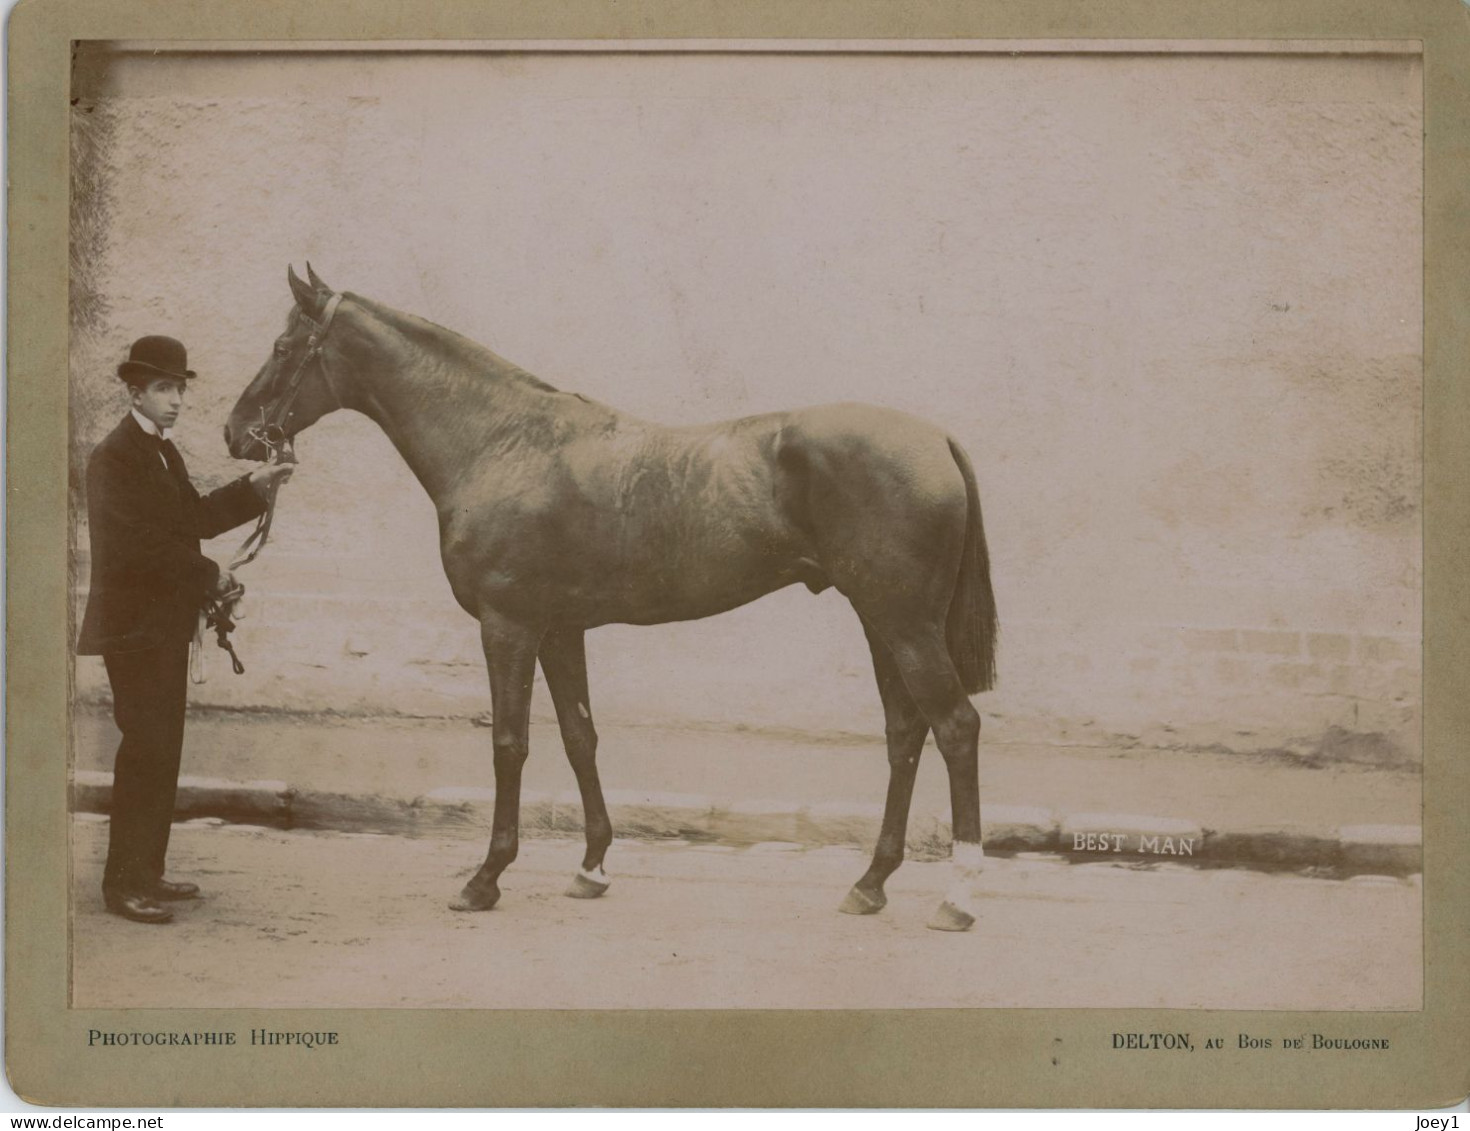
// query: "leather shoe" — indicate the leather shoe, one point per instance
point(166, 890)
point(138, 908)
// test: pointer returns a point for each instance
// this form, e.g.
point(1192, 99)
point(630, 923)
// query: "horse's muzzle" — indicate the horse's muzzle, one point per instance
point(254, 443)
point(239, 443)
point(243, 444)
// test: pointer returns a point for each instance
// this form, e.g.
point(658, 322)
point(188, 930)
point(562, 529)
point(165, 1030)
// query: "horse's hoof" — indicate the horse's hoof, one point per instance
point(860, 902)
point(586, 885)
point(475, 899)
point(948, 917)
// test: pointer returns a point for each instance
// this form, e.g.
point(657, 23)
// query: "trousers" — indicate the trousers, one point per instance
point(149, 696)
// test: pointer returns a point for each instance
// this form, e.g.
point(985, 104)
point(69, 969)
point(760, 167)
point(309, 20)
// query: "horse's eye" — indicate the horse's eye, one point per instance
point(282, 349)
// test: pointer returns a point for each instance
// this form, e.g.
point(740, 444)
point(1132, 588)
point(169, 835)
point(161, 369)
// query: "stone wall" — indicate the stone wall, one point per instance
point(1169, 303)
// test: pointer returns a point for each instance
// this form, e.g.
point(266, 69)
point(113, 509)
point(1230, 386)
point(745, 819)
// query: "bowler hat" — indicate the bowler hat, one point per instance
point(153, 357)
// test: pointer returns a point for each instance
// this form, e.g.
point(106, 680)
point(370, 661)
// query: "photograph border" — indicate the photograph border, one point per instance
point(697, 1058)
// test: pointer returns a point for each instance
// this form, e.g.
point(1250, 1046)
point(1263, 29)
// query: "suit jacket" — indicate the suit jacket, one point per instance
point(149, 579)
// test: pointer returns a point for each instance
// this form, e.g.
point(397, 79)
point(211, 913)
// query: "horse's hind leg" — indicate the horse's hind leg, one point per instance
point(906, 730)
point(510, 654)
point(929, 674)
point(564, 662)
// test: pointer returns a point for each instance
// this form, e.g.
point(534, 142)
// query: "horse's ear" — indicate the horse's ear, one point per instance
point(306, 296)
point(316, 282)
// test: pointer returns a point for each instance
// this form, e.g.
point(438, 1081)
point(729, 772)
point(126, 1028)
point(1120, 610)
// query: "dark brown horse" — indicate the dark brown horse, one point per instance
point(558, 514)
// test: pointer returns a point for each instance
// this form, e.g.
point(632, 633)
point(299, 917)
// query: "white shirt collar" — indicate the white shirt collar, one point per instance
point(149, 427)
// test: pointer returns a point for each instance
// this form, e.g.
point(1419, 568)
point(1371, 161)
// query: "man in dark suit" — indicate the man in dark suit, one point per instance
point(149, 582)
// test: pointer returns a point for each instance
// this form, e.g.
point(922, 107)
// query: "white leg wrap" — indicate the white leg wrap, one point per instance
point(968, 861)
point(968, 855)
point(597, 876)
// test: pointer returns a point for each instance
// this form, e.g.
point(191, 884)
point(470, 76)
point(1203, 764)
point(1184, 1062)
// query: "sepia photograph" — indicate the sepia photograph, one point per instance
point(745, 533)
point(947, 448)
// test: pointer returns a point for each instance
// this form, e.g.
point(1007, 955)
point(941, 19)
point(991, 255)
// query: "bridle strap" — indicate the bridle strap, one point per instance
point(255, 540)
point(275, 423)
point(330, 311)
point(282, 411)
point(218, 614)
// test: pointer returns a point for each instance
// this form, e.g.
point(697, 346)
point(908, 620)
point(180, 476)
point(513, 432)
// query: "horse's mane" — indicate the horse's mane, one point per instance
point(450, 346)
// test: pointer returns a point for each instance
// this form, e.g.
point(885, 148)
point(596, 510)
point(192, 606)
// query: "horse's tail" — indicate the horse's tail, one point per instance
point(972, 627)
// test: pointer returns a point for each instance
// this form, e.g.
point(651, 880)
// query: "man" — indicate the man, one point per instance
point(149, 581)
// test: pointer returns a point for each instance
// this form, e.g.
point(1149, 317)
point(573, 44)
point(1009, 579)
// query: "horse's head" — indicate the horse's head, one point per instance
point(293, 389)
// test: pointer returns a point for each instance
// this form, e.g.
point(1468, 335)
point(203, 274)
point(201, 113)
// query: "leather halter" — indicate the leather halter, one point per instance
point(219, 614)
point(272, 430)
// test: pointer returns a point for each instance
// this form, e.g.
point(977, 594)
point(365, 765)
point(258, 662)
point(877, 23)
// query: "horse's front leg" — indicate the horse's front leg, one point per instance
point(564, 662)
point(510, 654)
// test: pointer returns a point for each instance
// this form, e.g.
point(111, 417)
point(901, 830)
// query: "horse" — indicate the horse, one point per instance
point(558, 514)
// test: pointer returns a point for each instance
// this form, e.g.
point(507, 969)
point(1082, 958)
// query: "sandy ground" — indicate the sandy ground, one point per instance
point(304, 919)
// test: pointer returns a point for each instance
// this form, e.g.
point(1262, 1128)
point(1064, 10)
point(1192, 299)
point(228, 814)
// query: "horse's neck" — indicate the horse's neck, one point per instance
point(447, 407)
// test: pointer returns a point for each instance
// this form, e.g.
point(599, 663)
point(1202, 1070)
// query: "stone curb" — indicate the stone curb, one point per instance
point(1395, 850)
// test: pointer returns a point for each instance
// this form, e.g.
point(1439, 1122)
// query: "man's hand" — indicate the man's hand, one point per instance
point(225, 585)
point(262, 478)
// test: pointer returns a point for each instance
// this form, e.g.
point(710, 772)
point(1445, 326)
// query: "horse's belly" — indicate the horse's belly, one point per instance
point(655, 593)
point(692, 604)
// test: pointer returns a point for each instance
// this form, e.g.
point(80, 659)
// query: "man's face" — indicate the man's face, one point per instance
point(160, 401)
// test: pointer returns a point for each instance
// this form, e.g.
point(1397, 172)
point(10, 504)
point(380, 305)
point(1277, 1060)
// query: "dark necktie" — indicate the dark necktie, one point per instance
point(171, 458)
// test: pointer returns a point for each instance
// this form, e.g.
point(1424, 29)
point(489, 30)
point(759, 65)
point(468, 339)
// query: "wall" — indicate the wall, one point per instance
point(1169, 303)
